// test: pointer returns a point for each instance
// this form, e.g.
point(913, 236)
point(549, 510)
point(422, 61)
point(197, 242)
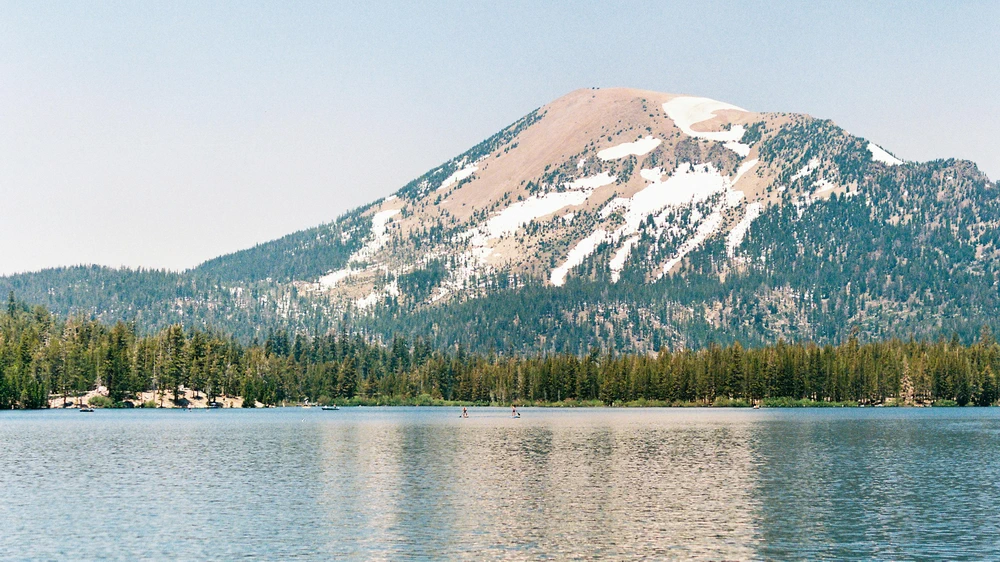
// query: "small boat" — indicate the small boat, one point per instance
point(334, 407)
point(86, 409)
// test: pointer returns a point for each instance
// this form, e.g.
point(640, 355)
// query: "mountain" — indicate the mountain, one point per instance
point(617, 218)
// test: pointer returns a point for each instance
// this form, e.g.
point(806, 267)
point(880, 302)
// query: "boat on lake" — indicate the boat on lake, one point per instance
point(334, 407)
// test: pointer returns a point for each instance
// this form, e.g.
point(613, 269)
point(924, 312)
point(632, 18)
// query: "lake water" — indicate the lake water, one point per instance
point(422, 483)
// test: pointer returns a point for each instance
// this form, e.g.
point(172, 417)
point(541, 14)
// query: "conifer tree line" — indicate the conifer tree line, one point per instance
point(43, 356)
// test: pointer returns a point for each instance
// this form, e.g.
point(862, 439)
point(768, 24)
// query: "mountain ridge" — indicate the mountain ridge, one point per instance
point(669, 214)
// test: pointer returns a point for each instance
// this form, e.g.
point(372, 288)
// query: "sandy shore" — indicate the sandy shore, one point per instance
point(165, 399)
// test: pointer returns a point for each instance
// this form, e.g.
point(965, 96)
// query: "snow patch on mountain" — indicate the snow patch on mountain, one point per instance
point(368, 301)
point(458, 175)
point(687, 185)
point(379, 236)
point(576, 256)
point(376, 296)
point(739, 148)
point(380, 222)
point(744, 168)
point(823, 187)
point(640, 147)
point(510, 219)
point(536, 206)
point(880, 155)
point(521, 213)
point(705, 229)
point(686, 111)
point(651, 174)
point(617, 263)
point(736, 235)
point(331, 279)
point(806, 170)
point(733, 198)
point(612, 206)
point(593, 182)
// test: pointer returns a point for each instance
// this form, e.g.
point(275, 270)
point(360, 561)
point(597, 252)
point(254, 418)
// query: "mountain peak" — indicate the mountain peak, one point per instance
point(595, 170)
point(615, 217)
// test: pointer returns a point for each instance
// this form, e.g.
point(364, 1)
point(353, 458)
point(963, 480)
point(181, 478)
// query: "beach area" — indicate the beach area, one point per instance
point(186, 398)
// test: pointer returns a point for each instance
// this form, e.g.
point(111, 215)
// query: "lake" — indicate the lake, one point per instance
point(422, 483)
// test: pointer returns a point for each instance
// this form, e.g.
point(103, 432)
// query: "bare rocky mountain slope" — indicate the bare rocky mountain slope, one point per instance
point(611, 217)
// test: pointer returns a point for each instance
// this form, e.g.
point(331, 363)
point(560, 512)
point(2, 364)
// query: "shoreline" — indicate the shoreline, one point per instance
point(188, 399)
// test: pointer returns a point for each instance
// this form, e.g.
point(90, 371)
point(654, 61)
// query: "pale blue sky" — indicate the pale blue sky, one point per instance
point(163, 134)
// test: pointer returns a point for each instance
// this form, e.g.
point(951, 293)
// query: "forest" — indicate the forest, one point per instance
point(44, 356)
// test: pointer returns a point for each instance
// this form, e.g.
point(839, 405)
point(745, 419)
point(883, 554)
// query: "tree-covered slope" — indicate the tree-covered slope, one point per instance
point(301, 255)
point(616, 218)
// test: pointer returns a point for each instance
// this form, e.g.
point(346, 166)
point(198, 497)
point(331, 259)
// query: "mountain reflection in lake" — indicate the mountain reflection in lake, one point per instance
point(390, 484)
point(556, 483)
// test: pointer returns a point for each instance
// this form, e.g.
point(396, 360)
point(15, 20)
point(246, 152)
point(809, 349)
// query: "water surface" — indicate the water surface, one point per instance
point(422, 483)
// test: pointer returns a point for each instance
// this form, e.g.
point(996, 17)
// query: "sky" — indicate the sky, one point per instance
point(162, 134)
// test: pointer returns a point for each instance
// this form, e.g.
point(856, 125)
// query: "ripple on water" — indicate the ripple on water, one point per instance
point(376, 483)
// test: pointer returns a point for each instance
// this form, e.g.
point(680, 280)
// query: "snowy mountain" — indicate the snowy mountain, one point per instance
point(612, 217)
point(646, 177)
point(621, 179)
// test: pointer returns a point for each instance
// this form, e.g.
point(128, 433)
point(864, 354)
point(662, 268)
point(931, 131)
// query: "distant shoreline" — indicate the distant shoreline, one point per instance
point(198, 401)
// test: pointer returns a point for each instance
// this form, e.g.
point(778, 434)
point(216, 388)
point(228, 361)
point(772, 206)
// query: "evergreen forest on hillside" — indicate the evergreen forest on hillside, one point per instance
point(44, 356)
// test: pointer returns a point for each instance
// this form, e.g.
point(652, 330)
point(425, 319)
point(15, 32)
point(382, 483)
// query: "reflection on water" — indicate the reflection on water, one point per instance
point(389, 484)
point(881, 487)
point(558, 484)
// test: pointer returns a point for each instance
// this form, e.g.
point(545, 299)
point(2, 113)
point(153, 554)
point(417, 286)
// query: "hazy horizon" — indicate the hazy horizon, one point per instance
point(161, 136)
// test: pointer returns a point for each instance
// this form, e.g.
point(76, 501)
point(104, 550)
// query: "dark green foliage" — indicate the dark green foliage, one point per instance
point(39, 353)
point(116, 368)
point(101, 402)
point(303, 255)
point(754, 132)
point(418, 284)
